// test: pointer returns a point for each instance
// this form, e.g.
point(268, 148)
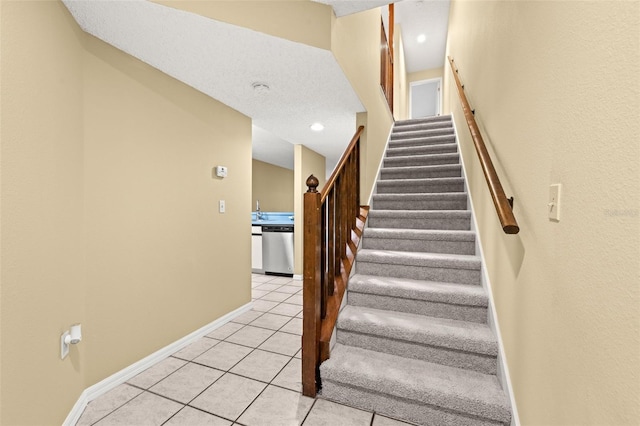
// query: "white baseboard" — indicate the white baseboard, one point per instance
point(133, 370)
point(297, 277)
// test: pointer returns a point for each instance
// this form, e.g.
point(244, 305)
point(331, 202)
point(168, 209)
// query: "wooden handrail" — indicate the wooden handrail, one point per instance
point(333, 224)
point(502, 204)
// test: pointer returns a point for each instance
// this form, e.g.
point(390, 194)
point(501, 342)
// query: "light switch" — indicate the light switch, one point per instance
point(221, 206)
point(554, 202)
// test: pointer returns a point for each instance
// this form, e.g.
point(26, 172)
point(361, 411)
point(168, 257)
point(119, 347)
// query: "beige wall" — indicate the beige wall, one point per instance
point(425, 74)
point(109, 210)
point(273, 186)
point(42, 246)
point(400, 82)
point(356, 46)
point(307, 162)
point(556, 92)
point(303, 21)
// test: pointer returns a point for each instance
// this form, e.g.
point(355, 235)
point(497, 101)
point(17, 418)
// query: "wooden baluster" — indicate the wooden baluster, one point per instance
point(311, 293)
point(331, 253)
point(326, 285)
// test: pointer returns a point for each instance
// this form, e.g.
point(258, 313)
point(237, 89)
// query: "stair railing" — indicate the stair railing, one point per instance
point(503, 205)
point(333, 224)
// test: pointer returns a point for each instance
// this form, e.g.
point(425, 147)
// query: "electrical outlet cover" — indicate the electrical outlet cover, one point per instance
point(64, 347)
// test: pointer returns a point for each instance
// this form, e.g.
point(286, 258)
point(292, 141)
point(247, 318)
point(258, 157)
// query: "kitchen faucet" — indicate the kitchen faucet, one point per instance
point(258, 212)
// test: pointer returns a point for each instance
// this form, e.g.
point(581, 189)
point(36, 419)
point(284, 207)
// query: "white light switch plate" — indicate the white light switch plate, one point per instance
point(554, 202)
point(221, 206)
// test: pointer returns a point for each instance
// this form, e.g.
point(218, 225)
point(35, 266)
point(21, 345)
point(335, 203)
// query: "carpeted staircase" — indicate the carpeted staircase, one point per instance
point(413, 341)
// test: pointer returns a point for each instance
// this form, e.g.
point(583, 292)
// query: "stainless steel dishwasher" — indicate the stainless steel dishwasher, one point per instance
point(277, 249)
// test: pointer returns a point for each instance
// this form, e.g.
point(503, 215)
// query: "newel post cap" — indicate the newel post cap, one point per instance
point(312, 184)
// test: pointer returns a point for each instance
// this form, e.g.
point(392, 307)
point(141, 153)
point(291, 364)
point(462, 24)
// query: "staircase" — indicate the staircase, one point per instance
point(413, 341)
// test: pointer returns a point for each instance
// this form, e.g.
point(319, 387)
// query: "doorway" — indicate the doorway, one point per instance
point(425, 98)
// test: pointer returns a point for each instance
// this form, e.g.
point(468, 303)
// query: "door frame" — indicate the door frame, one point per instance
point(427, 81)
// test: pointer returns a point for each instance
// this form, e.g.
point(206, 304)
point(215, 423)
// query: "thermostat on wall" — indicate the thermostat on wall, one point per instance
point(221, 171)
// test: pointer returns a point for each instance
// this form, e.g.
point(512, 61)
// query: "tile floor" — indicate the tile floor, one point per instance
point(246, 372)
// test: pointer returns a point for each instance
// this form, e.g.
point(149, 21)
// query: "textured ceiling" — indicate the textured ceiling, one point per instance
point(347, 7)
point(306, 84)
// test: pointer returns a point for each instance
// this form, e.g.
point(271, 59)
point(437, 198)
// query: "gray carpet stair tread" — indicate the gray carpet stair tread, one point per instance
point(422, 140)
point(421, 181)
point(440, 332)
point(422, 196)
point(457, 294)
point(450, 157)
point(433, 119)
point(437, 260)
point(451, 388)
point(420, 234)
point(417, 170)
point(425, 149)
point(440, 131)
point(421, 214)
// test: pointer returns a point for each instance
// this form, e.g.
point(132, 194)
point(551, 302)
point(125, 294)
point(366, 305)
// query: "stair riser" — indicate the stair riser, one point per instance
point(422, 127)
point(410, 223)
point(420, 307)
point(420, 205)
point(453, 358)
point(399, 408)
point(422, 150)
point(426, 273)
point(448, 131)
point(429, 160)
point(384, 187)
point(425, 246)
point(425, 120)
point(421, 141)
point(435, 172)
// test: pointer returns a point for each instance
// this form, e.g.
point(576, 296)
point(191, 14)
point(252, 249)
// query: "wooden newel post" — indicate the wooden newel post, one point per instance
point(311, 303)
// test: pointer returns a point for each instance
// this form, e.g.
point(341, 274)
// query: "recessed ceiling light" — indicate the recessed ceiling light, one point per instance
point(317, 127)
point(260, 88)
point(422, 38)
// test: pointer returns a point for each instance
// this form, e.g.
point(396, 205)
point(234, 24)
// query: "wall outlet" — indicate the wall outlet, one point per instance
point(221, 206)
point(64, 347)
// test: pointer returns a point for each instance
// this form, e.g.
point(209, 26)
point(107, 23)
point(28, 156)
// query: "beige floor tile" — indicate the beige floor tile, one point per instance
point(276, 406)
point(294, 326)
point(223, 356)
point(327, 413)
point(298, 354)
point(257, 294)
point(296, 283)
point(145, 409)
point(260, 365)
point(250, 336)
point(296, 299)
point(281, 280)
point(259, 278)
point(196, 348)
point(229, 396)
point(263, 305)
point(271, 321)
point(268, 287)
point(274, 296)
point(106, 403)
point(286, 309)
point(291, 376)
point(186, 383)
point(283, 343)
point(191, 417)
point(157, 372)
point(385, 421)
point(225, 331)
point(289, 289)
point(247, 317)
